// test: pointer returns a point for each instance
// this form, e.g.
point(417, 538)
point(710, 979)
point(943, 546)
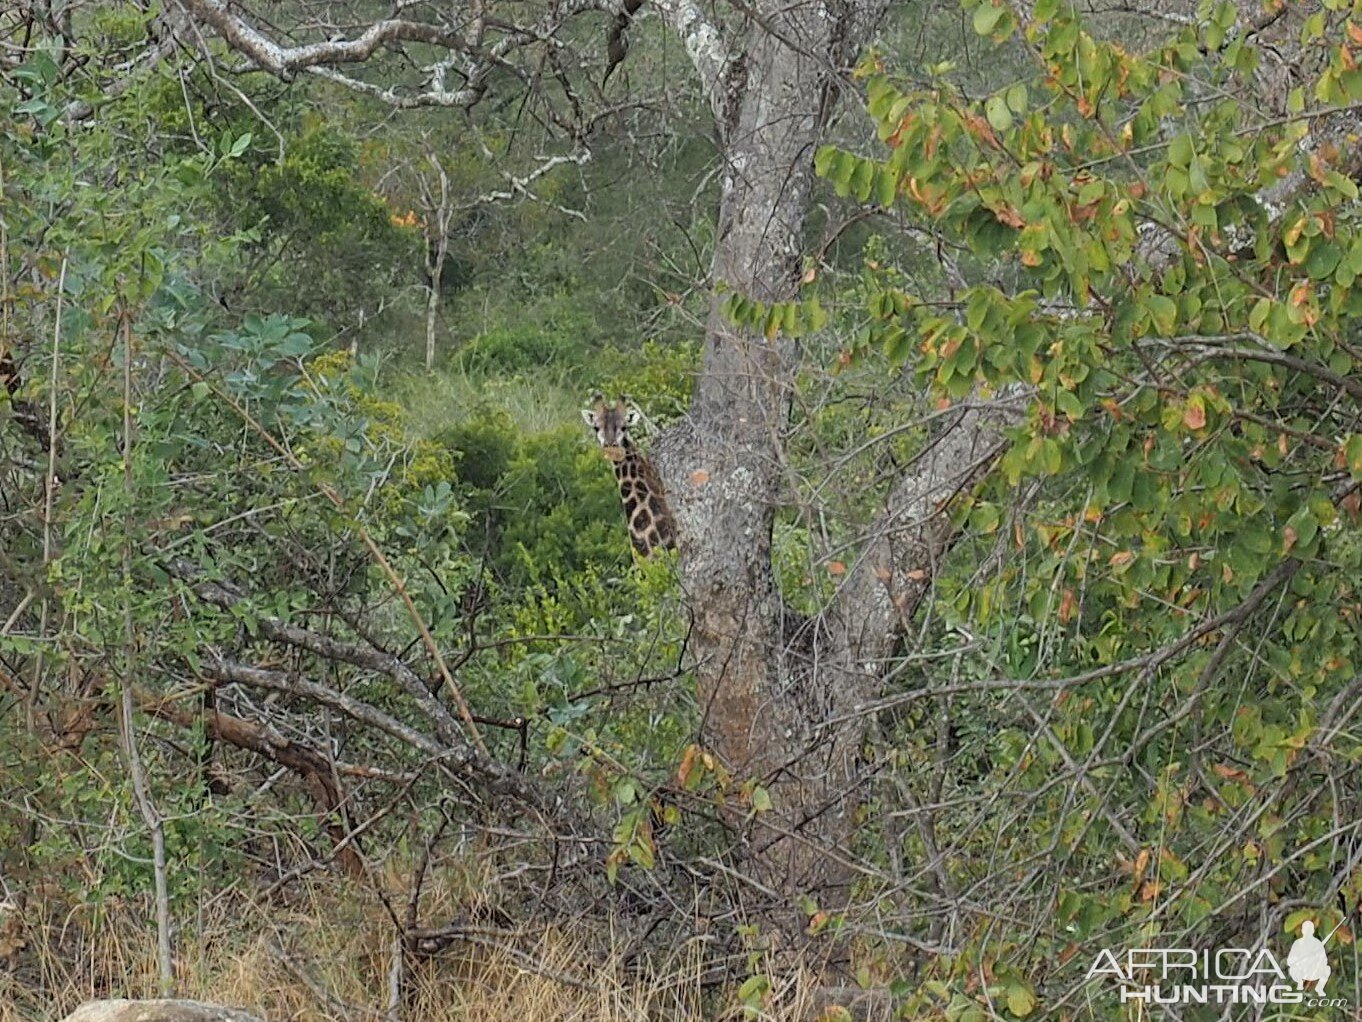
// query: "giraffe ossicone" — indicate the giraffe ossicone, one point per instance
point(651, 525)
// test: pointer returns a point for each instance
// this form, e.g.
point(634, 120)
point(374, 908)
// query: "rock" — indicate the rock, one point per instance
point(157, 1011)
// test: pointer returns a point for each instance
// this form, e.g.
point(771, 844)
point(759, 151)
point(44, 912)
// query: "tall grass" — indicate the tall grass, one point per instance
point(436, 400)
point(329, 956)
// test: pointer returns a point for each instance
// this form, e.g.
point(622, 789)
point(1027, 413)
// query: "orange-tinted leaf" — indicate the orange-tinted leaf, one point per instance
point(1194, 415)
point(1006, 214)
point(1066, 605)
point(1141, 864)
point(687, 767)
point(1228, 773)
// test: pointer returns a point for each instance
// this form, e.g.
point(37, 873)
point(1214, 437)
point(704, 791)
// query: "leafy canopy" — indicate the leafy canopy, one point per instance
point(1171, 277)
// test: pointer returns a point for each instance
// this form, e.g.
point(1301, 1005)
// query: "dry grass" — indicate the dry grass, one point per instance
point(328, 956)
point(326, 953)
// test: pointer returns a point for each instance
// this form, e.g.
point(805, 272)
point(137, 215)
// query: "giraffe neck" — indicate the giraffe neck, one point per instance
point(645, 503)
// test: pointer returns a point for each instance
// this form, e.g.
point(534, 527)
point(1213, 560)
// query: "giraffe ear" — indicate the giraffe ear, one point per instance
point(589, 417)
point(632, 416)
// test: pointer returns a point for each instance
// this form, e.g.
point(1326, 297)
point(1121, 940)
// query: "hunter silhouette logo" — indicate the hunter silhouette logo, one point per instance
point(1307, 961)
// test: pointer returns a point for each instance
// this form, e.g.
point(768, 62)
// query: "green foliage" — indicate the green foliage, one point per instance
point(547, 501)
point(552, 332)
point(97, 225)
point(1188, 354)
point(563, 504)
point(317, 241)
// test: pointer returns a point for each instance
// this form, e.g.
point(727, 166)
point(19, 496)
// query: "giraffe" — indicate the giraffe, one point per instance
point(645, 503)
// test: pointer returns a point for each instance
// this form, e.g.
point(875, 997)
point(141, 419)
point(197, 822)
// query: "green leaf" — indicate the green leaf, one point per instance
point(1091, 192)
point(1341, 183)
point(986, 18)
point(815, 316)
point(862, 178)
point(999, 116)
point(886, 186)
point(823, 159)
point(1051, 457)
point(1352, 454)
point(642, 854)
point(1258, 316)
point(40, 68)
point(1164, 311)
point(761, 800)
point(753, 989)
point(37, 106)
point(1180, 151)
point(898, 345)
point(1300, 531)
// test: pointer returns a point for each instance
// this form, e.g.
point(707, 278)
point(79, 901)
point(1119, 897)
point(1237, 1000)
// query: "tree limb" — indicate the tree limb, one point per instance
point(704, 45)
point(449, 745)
point(913, 533)
point(312, 768)
point(286, 61)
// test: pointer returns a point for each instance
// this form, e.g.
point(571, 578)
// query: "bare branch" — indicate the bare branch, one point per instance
point(914, 532)
point(468, 56)
point(519, 187)
point(286, 61)
point(450, 745)
point(313, 768)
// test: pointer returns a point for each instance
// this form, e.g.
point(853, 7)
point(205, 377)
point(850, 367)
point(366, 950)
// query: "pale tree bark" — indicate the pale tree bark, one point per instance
point(438, 214)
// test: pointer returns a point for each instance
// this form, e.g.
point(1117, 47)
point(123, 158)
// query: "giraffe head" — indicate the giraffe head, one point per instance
point(611, 423)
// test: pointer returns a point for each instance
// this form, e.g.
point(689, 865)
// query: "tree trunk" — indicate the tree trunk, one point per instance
point(433, 307)
point(437, 215)
point(785, 699)
point(754, 675)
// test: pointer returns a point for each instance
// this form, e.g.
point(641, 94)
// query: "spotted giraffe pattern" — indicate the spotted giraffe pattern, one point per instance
point(645, 502)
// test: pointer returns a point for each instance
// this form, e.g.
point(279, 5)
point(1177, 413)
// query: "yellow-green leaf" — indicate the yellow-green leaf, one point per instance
point(999, 116)
point(1020, 1000)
